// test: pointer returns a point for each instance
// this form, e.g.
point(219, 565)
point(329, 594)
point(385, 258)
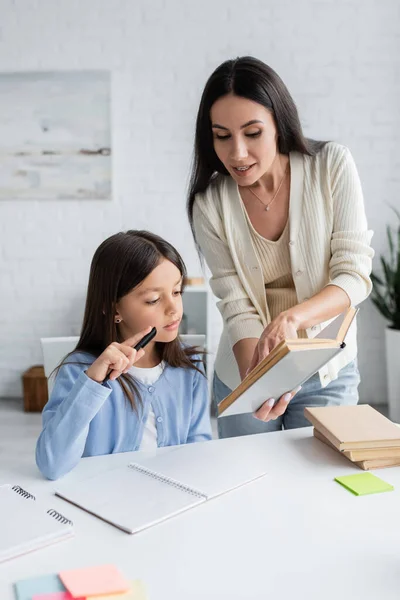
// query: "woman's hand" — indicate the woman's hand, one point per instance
point(283, 326)
point(117, 357)
point(270, 411)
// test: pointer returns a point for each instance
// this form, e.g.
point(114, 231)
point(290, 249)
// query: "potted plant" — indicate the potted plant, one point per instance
point(386, 297)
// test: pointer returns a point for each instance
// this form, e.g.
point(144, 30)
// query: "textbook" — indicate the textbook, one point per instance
point(377, 458)
point(25, 525)
point(364, 455)
point(356, 427)
point(153, 489)
point(287, 367)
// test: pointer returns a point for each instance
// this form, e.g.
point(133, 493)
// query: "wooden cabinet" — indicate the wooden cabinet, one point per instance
point(35, 389)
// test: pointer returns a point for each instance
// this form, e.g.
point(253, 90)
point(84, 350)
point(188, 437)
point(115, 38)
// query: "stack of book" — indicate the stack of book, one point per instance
point(360, 433)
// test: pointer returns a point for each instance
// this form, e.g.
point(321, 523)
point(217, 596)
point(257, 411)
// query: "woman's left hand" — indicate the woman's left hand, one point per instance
point(283, 326)
point(271, 410)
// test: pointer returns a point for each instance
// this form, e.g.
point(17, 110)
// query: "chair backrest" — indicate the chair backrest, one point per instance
point(194, 339)
point(55, 348)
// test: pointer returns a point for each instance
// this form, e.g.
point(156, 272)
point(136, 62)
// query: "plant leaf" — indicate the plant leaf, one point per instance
point(386, 286)
point(391, 245)
point(375, 279)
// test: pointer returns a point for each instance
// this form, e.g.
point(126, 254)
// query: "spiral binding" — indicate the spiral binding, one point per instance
point(23, 492)
point(59, 517)
point(173, 482)
point(53, 513)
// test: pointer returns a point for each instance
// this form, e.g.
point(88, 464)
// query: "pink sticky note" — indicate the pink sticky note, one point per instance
point(92, 581)
point(55, 596)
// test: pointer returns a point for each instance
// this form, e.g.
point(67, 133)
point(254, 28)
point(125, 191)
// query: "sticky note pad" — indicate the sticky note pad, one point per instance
point(46, 584)
point(361, 484)
point(94, 581)
point(56, 596)
point(137, 592)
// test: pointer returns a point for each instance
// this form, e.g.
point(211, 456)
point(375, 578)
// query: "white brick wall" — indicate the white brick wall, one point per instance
point(339, 59)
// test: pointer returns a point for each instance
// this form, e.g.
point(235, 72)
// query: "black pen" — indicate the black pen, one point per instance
point(141, 344)
point(145, 339)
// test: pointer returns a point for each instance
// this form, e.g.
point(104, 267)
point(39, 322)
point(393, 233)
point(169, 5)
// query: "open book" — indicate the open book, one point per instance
point(155, 488)
point(25, 525)
point(289, 365)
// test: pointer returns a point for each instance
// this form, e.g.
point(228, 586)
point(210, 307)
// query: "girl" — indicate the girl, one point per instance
point(154, 397)
point(281, 223)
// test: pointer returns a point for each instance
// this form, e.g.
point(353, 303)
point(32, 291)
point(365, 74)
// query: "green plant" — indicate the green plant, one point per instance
point(386, 292)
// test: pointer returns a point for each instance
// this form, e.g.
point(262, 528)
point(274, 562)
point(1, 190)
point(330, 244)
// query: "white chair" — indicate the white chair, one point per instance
point(194, 339)
point(54, 349)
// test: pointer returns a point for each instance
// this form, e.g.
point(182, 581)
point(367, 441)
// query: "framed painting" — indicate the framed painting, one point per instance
point(55, 139)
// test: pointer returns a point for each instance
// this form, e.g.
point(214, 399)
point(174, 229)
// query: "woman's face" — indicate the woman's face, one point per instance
point(245, 137)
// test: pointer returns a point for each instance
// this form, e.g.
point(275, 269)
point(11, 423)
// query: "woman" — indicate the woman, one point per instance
point(280, 221)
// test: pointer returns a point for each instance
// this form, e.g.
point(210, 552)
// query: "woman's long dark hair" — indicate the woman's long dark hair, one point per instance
point(120, 264)
point(249, 78)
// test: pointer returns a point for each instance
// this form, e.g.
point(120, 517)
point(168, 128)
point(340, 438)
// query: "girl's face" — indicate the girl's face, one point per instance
point(156, 302)
point(245, 137)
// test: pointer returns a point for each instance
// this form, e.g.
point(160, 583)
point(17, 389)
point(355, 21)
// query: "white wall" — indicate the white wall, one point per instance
point(339, 59)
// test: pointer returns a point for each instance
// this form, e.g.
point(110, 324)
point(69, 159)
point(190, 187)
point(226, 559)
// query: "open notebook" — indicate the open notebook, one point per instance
point(288, 366)
point(155, 488)
point(25, 525)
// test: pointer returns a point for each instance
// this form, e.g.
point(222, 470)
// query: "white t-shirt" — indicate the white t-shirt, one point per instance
point(148, 377)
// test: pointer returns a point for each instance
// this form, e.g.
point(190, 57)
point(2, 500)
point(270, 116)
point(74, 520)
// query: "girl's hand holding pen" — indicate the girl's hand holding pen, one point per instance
point(117, 358)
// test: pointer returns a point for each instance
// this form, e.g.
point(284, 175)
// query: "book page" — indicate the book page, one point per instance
point(338, 328)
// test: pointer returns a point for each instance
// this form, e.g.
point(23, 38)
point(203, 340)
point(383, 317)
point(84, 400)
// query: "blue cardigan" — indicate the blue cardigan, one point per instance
point(86, 418)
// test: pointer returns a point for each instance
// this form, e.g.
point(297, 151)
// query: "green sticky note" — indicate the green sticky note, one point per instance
point(361, 484)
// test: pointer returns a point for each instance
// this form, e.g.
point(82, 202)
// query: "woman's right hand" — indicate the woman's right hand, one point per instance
point(118, 358)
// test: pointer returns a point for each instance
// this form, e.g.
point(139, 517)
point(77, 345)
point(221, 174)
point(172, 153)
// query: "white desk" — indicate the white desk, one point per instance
point(293, 534)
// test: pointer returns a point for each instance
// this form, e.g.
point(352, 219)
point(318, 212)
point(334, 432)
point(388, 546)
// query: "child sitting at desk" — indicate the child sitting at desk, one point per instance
point(135, 284)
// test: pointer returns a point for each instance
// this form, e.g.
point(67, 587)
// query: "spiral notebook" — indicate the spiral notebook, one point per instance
point(25, 525)
point(152, 489)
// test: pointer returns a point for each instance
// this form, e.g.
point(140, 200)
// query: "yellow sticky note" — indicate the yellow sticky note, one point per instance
point(94, 581)
point(137, 592)
point(361, 484)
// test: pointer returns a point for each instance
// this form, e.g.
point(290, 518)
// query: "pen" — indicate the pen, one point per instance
point(141, 344)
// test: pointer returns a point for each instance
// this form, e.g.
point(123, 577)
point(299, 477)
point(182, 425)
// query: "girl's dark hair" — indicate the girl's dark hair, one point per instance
point(120, 264)
point(249, 78)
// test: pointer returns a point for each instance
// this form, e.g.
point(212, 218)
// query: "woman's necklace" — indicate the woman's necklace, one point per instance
point(267, 206)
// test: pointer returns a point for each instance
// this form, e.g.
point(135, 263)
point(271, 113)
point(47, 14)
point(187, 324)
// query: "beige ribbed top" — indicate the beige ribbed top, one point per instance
point(274, 258)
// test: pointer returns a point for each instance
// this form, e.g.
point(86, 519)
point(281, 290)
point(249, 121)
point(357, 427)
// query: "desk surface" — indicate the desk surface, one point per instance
point(294, 533)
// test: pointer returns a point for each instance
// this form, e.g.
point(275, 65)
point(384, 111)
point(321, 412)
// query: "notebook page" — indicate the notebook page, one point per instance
point(129, 499)
point(25, 525)
point(214, 467)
